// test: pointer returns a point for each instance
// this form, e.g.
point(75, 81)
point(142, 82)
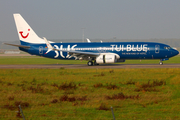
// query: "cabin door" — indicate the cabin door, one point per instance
point(156, 48)
point(40, 50)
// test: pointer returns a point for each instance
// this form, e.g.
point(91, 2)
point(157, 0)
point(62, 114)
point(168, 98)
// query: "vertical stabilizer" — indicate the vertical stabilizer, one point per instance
point(25, 32)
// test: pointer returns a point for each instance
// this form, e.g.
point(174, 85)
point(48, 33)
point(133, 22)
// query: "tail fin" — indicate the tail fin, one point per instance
point(25, 32)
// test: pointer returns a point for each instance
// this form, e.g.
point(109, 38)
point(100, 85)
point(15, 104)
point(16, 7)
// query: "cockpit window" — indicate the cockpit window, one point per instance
point(167, 48)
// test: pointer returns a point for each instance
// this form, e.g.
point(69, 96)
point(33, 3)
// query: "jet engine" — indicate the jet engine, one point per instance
point(106, 58)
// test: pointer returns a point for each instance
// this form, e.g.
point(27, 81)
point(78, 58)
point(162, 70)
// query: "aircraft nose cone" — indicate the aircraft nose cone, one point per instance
point(176, 52)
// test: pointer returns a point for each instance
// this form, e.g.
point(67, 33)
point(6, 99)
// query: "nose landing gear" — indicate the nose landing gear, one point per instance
point(161, 63)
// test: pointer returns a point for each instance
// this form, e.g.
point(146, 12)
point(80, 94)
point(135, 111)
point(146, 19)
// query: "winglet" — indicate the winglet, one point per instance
point(50, 47)
point(48, 44)
point(88, 40)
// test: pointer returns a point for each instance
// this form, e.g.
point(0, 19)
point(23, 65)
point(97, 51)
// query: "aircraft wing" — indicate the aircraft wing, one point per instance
point(72, 52)
point(78, 53)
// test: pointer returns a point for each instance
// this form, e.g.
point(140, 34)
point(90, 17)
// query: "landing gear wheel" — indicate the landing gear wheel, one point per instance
point(161, 63)
point(96, 63)
point(90, 63)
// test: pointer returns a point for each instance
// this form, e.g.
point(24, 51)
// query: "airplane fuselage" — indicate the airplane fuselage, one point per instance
point(126, 50)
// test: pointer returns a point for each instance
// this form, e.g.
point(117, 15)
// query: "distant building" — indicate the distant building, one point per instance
point(12, 52)
point(1, 51)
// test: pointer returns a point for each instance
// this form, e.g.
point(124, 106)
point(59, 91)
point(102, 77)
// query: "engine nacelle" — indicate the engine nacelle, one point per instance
point(107, 58)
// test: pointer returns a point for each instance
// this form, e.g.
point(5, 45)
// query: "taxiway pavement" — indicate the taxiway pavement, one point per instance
point(84, 66)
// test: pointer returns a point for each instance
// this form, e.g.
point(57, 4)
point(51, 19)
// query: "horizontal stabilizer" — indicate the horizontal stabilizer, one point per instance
point(22, 46)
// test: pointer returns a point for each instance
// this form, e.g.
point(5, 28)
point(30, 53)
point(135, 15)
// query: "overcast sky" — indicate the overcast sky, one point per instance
point(102, 19)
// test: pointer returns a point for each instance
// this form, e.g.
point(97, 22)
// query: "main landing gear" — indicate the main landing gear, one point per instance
point(91, 63)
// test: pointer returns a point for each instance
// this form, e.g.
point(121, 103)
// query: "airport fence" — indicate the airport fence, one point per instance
point(20, 114)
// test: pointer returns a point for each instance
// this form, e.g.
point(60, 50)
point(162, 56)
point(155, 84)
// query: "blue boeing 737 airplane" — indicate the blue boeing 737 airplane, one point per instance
point(94, 53)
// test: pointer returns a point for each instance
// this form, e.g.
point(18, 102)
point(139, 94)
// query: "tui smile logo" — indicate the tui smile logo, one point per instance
point(21, 33)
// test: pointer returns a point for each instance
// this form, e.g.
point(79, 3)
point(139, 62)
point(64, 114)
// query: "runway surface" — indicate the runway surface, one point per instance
point(84, 66)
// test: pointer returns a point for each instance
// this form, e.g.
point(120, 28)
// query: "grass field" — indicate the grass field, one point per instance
point(42, 60)
point(47, 94)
